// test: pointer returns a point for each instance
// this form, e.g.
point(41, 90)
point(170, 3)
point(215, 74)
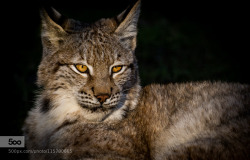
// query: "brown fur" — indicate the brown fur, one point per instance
point(199, 120)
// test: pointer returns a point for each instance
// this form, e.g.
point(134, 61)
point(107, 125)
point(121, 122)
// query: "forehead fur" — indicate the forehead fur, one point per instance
point(94, 45)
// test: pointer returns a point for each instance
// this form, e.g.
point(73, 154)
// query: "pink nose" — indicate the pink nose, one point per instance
point(102, 98)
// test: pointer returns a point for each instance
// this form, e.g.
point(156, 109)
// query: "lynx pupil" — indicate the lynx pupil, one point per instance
point(81, 68)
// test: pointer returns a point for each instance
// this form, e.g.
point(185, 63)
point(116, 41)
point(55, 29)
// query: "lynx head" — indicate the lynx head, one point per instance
point(93, 65)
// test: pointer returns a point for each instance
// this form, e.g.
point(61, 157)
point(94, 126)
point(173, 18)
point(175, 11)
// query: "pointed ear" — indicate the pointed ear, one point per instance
point(127, 26)
point(53, 29)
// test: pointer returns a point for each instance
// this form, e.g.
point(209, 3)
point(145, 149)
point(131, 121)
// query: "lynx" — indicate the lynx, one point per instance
point(91, 104)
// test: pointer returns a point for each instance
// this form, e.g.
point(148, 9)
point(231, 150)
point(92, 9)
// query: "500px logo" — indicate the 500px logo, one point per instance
point(11, 141)
point(14, 142)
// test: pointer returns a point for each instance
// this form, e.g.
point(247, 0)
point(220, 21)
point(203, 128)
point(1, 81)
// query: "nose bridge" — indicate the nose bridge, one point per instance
point(102, 85)
point(102, 88)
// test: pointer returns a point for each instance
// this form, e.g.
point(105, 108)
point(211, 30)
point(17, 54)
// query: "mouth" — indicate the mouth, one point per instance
point(100, 108)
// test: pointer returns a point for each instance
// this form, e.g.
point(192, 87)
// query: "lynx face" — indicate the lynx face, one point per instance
point(98, 74)
point(94, 65)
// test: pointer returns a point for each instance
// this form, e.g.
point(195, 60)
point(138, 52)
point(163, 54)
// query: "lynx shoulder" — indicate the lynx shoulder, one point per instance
point(91, 104)
point(197, 120)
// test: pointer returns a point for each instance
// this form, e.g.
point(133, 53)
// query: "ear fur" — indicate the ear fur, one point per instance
point(127, 28)
point(53, 32)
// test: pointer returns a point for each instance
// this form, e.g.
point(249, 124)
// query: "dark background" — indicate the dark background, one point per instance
point(177, 42)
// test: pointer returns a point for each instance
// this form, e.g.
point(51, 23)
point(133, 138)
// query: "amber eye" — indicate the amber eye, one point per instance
point(116, 69)
point(81, 68)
